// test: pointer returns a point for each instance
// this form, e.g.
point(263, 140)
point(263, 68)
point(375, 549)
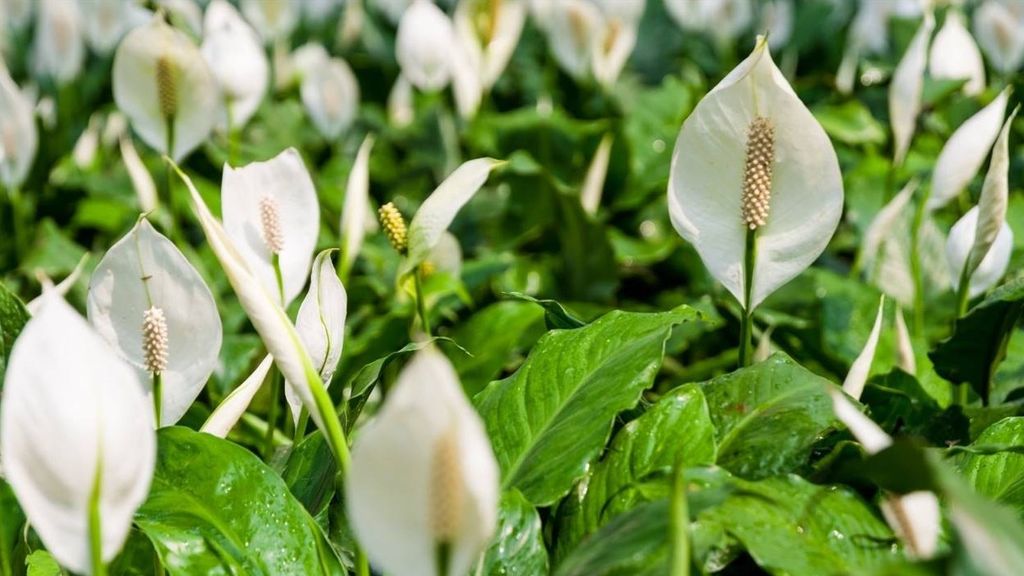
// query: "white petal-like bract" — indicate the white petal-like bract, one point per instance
point(574, 29)
point(965, 151)
point(489, 31)
point(330, 93)
point(273, 19)
point(593, 182)
point(906, 89)
point(999, 28)
point(424, 46)
point(237, 60)
point(58, 49)
point(857, 377)
point(356, 207)
point(706, 183)
point(105, 22)
point(994, 199)
point(991, 268)
point(144, 270)
point(231, 408)
point(19, 138)
point(423, 473)
point(161, 81)
point(72, 413)
point(271, 208)
point(955, 56)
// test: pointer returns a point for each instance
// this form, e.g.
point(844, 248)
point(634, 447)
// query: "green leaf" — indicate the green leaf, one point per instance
point(768, 416)
point(42, 563)
point(215, 508)
point(518, 544)
point(790, 526)
point(11, 521)
point(999, 476)
point(851, 123)
point(978, 344)
point(310, 472)
point(492, 336)
point(13, 317)
point(633, 544)
point(555, 315)
point(677, 429)
point(551, 419)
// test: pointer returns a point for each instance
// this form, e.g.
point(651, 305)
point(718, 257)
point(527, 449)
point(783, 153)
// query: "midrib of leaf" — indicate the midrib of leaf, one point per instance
point(730, 436)
point(636, 344)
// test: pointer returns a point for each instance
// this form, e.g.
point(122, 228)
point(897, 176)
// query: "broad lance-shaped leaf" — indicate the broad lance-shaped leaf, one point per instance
point(999, 476)
point(955, 55)
point(215, 508)
point(271, 323)
point(906, 88)
point(551, 419)
point(162, 84)
point(518, 543)
point(676, 431)
point(228, 412)
point(76, 435)
point(271, 212)
point(978, 344)
point(751, 158)
point(141, 273)
point(321, 324)
point(357, 206)
point(440, 208)
point(423, 474)
point(959, 249)
point(767, 417)
point(965, 151)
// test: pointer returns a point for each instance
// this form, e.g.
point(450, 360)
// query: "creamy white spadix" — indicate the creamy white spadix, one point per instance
point(424, 479)
point(154, 309)
point(752, 158)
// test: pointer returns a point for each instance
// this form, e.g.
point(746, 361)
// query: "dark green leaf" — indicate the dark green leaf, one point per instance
point(11, 521)
point(555, 315)
point(999, 475)
point(310, 472)
point(633, 544)
point(493, 336)
point(13, 317)
point(518, 544)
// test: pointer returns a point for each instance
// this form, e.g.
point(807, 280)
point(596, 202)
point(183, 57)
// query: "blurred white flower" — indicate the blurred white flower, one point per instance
point(187, 14)
point(272, 216)
point(994, 199)
point(954, 55)
point(751, 160)
point(857, 377)
point(424, 46)
point(142, 181)
point(320, 325)
point(330, 93)
point(16, 13)
point(154, 309)
point(869, 34)
point(273, 19)
point(237, 60)
point(401, 112)
point(106, 21)
point(722, 19)
point(991, 268)
point(573, 30)
point(777, 20)
point(424, 479)
point(164, 86)
point(76, 436)
point(965, 151)
point(593, 182)
point(18, 135)
point(906, 359)
point(356, 209)
point(58, 49)
point(489, 32)
point(88, 143)
point(999, 28)
point(906, 89)
point(914, 517)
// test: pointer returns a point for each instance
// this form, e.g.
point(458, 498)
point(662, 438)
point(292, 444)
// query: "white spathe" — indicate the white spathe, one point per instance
point(965, 151)
point(999, 28)
point(994, 199)
point(142, 180)
point(356, 207)
point(320, 324)
point(237, 60)
point(72, 412)
point(330, 93)
point(156, 63)
point(722, 19)
point(105, 22)
point(574, 30)
point(425, 430)
point(906, 89)
point(991, 268)
point(857, 377)
point(19, 137)
point(282, 185)
point(273, 19)
point(58, 48)
point(706, 180)
point(142, 270)
point(424, 46)
point(489, 32)
point(440, 208)
point(955, 55)
point(231, 408)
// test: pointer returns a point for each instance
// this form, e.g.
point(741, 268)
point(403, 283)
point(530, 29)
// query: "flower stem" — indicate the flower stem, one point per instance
point(276, 261)
point(232, 135)
point(421, 305)
point(362, 563)
point(300, 428)
point(443, 555)
point(99, 568)
point(960, 394)
point(747, 321)
point(679, 523)
point(275, 396)
point(158, 389)
point(963, 293)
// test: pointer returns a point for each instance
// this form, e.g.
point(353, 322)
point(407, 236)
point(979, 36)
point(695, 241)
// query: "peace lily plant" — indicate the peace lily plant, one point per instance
point(754, 185)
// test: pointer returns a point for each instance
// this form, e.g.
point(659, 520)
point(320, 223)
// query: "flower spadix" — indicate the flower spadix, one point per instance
point(751, 159)
point(272, 215)
point(236, 58)
point(321, 324)
point(424, 479)
point(914, 517)
point(18, 135)
point(164, 86)
point(440, 208)
point(76, 436)
point(154, 309)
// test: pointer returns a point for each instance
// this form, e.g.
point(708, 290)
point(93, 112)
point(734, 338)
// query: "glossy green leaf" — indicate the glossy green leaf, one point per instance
point(310, 472)
point(999, 475)
point(41, 563)
point(551, 419)
point(11, 521)
point(675, 430)
point(767, 417)
point(633, 544)
point(555, 315)
point(493, 336)
point(518, 544)
point(215, 508)
point(850, 123)
point(978, 344)
point(13, 317)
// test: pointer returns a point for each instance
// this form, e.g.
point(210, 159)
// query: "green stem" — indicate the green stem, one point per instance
point(915, 262)
point(232, 135)
point(963, 293)
point(362, 563)
point(158, 389)
point(443, 555)
point(99, 568)
point(679, 524)
point(329, 418)
point(272, 412)
point(449, 138)
point(960, 394)
point(421, 305)
point(276, 261)
point(300, 428)
point(747, 321)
